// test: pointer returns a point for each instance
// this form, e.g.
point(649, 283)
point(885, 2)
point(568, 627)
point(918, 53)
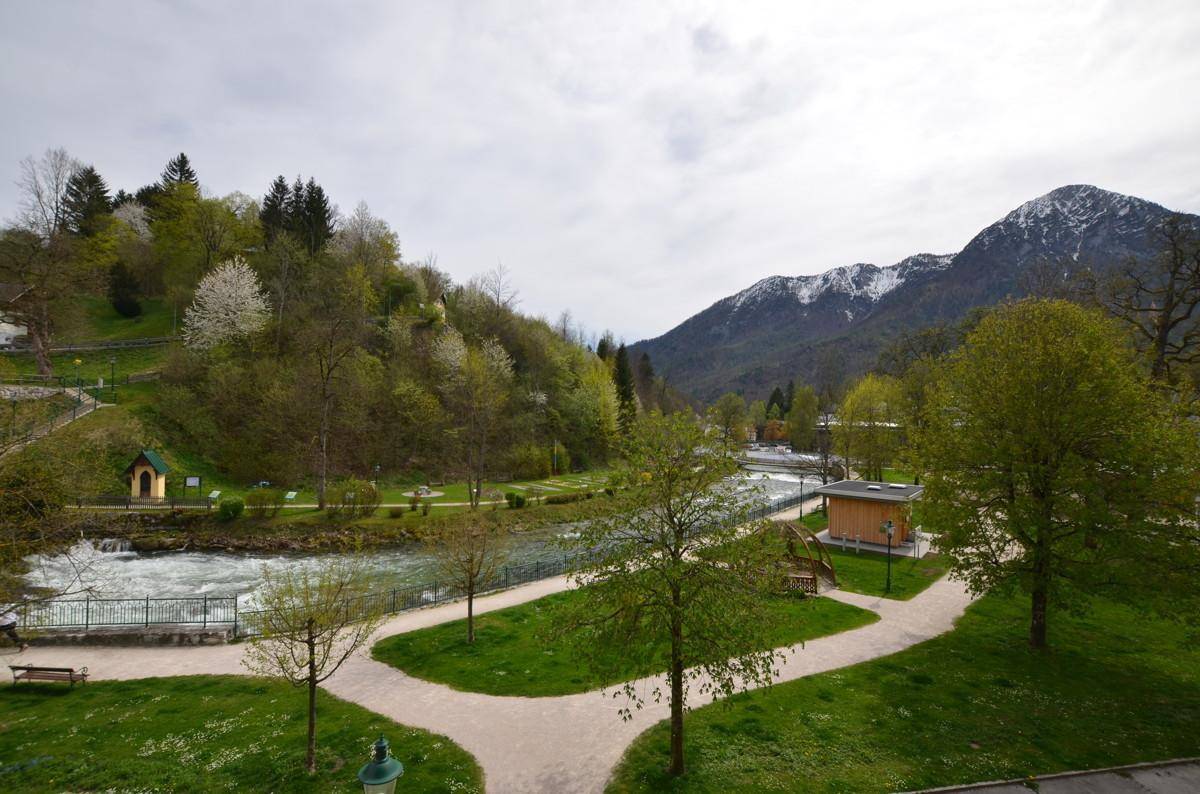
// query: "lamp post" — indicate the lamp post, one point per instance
point(78, 382)
point(376, 470)
point(890, 529)
point(112, 377)
point(378, 776)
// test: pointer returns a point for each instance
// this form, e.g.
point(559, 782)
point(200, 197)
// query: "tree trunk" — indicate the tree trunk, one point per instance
point(1040, 596)
point(676, 767)
point(322, 472)
point(470, 614)
point(39, 337)
point(311, 758)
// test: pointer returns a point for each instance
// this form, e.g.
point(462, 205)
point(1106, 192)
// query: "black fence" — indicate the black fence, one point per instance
point(111, 502)
point(111, 344)
point(91, 613)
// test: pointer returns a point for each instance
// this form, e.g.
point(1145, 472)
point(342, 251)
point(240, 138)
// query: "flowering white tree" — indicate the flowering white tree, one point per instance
point(229, 305)
point(134, 216)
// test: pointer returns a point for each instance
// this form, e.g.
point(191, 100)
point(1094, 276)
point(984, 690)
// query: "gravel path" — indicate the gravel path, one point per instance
point(553, 744)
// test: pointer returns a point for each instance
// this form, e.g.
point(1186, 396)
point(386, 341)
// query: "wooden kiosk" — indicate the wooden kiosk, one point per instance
point(858, 509)
point(147, 476)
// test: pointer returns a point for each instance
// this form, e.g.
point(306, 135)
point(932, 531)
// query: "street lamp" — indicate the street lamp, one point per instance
point(112, 377)
point(376, 478)
point(378, 776)
point(890, 529)
point(78, 382)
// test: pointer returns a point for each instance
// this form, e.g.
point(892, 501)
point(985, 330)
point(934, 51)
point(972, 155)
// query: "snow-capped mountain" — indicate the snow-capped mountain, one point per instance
point(777, 328)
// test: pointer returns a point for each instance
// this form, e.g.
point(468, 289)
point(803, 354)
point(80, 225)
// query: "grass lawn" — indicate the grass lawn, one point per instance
point(975, 704)
point(101, 323)
point(205, 733)
point(510, 656)
point(866, 572)
point(898, 476)
point(94, 364)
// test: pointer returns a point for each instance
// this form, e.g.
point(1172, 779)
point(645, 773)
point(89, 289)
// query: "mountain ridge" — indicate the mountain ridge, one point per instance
point(778, 327)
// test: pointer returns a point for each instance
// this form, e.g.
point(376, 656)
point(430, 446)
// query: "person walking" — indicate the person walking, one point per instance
point(8, 625)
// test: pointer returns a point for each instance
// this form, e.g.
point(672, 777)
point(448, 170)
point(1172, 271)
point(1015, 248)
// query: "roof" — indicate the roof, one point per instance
point(151, 457)
point(872, 491)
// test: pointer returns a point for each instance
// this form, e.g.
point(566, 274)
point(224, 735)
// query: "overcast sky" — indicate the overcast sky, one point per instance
point(631, 162)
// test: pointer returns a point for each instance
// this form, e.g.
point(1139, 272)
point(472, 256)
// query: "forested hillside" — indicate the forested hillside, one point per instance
point(311, 348)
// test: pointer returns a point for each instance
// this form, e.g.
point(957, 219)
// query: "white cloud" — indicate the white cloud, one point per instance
point(633, 162)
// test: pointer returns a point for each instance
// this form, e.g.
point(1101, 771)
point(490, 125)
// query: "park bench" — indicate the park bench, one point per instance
point(29, 672)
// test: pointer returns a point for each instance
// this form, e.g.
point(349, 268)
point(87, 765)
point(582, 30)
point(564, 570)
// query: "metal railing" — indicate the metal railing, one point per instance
point(110, 344)
point(91, 613)
point(110, 501)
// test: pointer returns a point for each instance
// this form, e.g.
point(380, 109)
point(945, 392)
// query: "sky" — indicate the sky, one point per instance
point(630, 162)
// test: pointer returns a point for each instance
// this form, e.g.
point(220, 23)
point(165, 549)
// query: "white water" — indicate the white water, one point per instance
point(177, 574)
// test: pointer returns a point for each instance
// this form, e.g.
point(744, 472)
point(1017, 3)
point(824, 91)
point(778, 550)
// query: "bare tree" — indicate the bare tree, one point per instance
point(497, 285)
point(467, 557)
point(43, 189)
point(309, 621)
point(1158, 299)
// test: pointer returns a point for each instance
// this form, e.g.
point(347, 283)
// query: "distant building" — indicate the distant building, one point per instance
point(859, 509)
point(147, 476)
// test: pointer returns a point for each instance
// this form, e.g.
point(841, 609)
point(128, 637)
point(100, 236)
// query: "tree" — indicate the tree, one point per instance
point(86, 201)
point(273, 214)
point(333, 332)
point(179, 171)
point(758, 415)
point(728, 415)
point(1159, 300)
point(41, 256)
point(626, 393)
point(1052, 465)
point(310, 215)
point(867, 431)
point(606, 346)
point(123, 290)
point(467, 556)
point(778, 402)
point(363, 239)
point(643, 587)
point(497, 285)
point(475, 389)
point(802, 417)
point(229, 305)
point(309, 620)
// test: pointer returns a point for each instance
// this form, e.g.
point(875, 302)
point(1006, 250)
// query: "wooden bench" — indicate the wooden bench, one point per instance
point(29, 672)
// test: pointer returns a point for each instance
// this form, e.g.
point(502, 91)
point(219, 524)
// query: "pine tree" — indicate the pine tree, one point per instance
point(318, 217)
point(147, 195)
point(626, 396)
point(605, 348)
point(274, 212)
point(121, 197)
point(789, 394)
point(179, 170)
point(123, 290)
point(776, 401)
point(86, 201)
point(295, 209)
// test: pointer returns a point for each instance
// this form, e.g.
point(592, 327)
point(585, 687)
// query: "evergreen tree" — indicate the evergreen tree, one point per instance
point(605, 347)
point(274, 211)
point(123, 290)
point(626, 396)
point(86, 201)
point(318, 217)
point(645, 369)
point(789, 394)
point(147, 195)
point(295, 209)
point(179, 170)
point(776, 400)
point(121, 197)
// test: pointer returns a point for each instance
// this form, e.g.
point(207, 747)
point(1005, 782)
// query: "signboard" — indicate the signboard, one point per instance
point(191, 482)
point(214, 495)
point(290, 496)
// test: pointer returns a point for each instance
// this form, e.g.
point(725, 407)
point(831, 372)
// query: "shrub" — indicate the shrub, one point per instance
point(515, 500)
point(264, 502)
point(563, 498)
point(529, 462)
point(413, 502)
point(425, 507)
point(352, 498)
point(229, 509)
point(395, 511)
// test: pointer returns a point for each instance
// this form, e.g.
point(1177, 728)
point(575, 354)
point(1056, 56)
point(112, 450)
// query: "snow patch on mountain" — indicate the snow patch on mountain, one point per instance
point(862, 280)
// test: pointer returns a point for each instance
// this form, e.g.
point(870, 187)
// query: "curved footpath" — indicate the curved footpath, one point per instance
point(550, 744)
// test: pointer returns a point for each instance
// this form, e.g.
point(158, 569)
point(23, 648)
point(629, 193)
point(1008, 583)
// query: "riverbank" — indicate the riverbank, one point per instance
point(313, 530)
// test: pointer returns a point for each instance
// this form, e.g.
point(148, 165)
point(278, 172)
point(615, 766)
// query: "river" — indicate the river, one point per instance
point(177, 574)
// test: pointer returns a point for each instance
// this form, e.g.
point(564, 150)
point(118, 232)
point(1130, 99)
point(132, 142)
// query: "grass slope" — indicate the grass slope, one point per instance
point(205, 733)
point(975, 704)
point(511, 656)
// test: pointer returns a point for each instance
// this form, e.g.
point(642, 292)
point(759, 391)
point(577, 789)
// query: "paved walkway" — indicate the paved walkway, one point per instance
point(1168, 777)
point(552, 744)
